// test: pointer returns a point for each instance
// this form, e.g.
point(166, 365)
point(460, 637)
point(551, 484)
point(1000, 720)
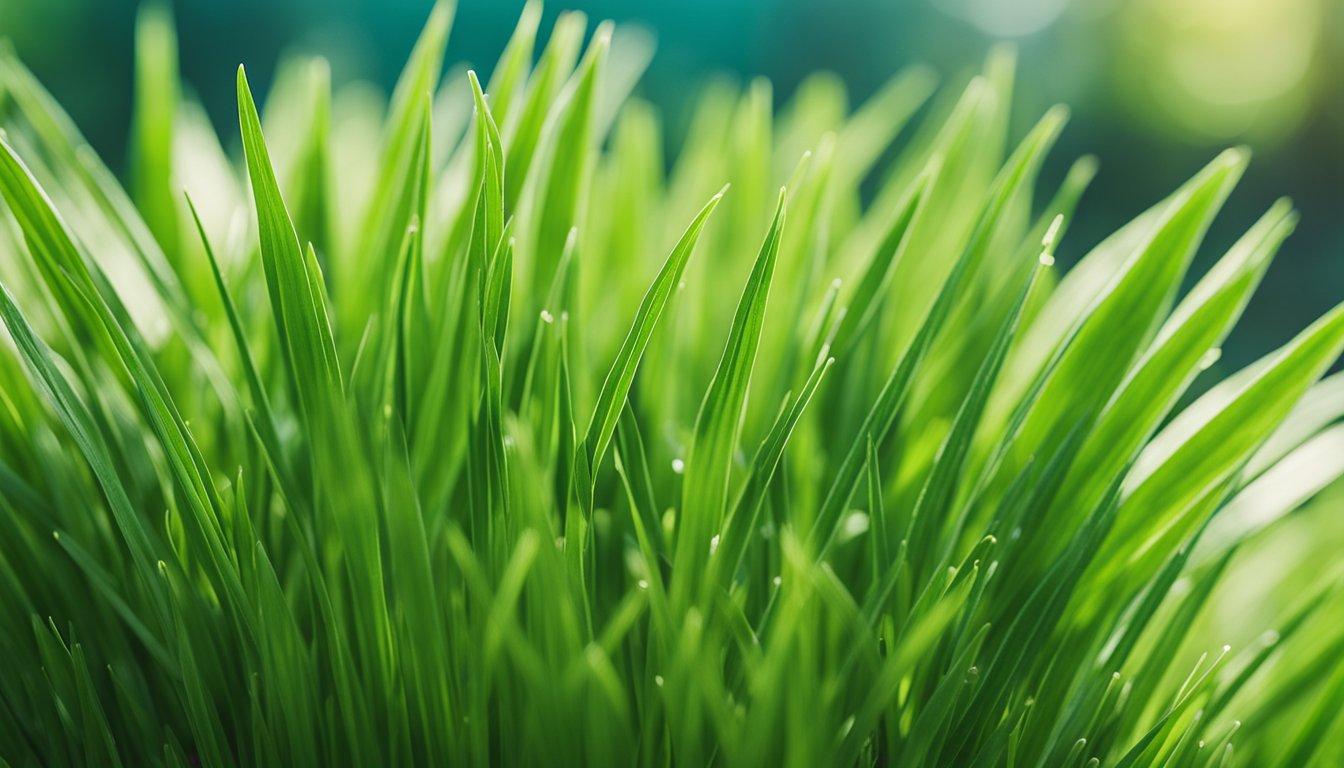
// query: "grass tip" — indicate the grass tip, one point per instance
point(1050, 234)
point(1058, 113)
point(1210, 357)
point(1237, 156)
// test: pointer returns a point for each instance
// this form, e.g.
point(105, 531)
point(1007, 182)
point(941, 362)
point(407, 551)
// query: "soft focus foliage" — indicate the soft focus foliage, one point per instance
point(462, 431)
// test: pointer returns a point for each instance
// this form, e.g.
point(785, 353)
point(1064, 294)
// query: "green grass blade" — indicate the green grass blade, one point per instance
point(709, 462)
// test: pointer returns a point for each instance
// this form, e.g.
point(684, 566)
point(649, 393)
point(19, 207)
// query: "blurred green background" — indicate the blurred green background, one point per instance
point(1156, 86)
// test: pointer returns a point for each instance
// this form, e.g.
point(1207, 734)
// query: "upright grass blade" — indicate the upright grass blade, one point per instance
point(155, 111)
point(709, 464)
point(616, 387)
point(296, 298)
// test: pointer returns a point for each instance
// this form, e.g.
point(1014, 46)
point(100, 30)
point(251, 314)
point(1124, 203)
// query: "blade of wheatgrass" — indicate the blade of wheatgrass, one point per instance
point(709, 462)
point(616, 387)
point(1224, 443)
point(510, 74)
point(156, 95)
point(301, 318)
point(380, 232)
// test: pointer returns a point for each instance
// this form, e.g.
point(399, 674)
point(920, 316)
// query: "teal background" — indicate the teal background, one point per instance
point(1108, 59)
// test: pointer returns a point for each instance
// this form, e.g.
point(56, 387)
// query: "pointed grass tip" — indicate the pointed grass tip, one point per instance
point(1212, 356)
point(1047, 257)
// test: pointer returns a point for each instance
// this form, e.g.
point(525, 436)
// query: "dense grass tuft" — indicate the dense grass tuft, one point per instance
point(457, 432)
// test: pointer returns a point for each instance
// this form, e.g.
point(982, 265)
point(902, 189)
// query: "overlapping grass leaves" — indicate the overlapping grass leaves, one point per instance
point(534, 455)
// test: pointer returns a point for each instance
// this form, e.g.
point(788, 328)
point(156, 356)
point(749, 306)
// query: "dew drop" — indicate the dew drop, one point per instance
point(856, 524)
point(778, 580)
point(678, 466)
point(643, 584)
point(547, 317)
point(714, 544)
point(658, 680)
